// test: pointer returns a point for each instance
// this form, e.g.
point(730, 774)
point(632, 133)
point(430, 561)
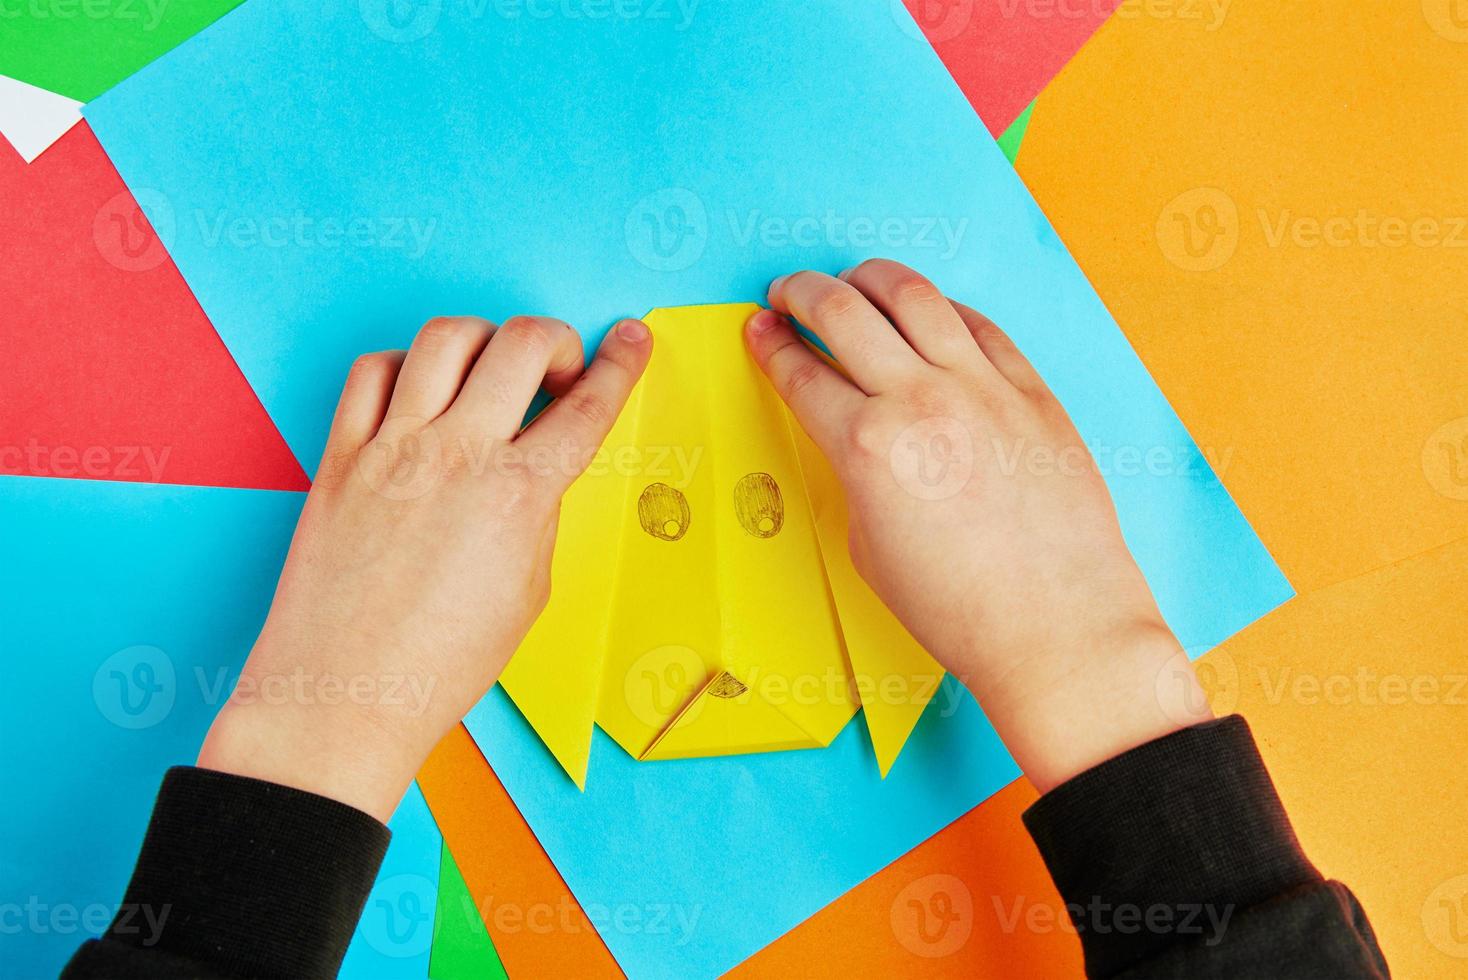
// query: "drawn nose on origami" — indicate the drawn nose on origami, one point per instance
point(663, 512)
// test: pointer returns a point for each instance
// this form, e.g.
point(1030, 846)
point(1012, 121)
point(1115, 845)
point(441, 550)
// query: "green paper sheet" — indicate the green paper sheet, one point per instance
point(81, 48)
point(462, 949)
point(1012, 137)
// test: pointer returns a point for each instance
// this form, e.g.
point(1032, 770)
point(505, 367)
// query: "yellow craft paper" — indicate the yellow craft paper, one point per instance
point(697, 608)
point(1270, 199)
point(555, 676)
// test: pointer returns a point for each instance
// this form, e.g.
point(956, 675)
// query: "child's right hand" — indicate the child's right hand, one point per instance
point(978, 514)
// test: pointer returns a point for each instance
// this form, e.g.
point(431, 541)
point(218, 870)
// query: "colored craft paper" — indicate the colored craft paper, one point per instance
point(1013, 137)
point(536, 924)
point(1293, 279)
point(689, 866)
point(82, 49)
point(974, 900)
point(131, 609)
point(394, 937)
point(1003, 52)
point(292, 133)
point(711, 498)
point(462, 949)
point(1359, 697)
point(110, 370)
point(31, 119)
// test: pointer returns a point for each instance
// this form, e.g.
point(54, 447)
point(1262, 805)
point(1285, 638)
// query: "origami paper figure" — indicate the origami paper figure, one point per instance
point(704, 597)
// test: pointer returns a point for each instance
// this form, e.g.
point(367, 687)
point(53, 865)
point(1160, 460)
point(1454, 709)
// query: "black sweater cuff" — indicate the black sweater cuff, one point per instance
point(1165, 843)
point(243, 878)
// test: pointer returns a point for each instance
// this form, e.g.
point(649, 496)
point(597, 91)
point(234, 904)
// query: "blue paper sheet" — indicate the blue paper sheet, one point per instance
point(128, 610)
point(328, 177)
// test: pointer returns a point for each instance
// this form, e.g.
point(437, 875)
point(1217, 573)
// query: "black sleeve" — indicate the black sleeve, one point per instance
point(239, 878)
point(1177, 859)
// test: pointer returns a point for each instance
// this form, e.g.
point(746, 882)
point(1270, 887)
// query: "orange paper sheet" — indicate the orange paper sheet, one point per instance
point(1358, 696)
point(538, 928)
point(1271, 201)
point(973, 901)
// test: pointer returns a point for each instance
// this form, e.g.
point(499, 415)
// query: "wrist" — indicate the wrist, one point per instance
point(1081, 701)
point(337, 751)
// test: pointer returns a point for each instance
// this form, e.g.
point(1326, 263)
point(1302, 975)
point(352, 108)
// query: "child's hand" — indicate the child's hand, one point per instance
point(423, 554)
point(977, 514)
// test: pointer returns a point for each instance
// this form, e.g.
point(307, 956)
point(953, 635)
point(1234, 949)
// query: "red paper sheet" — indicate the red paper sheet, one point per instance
point(1003, 52)
point(108, 368)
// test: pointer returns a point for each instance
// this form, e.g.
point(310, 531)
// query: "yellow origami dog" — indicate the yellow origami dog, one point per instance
point(703, 600)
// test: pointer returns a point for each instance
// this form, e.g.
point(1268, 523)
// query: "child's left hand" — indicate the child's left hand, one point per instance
point(423, 554)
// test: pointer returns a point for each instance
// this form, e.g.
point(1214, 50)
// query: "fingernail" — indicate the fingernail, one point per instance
point(777, 284)
point(763, 322)
point(845, 273)
point(633, 330)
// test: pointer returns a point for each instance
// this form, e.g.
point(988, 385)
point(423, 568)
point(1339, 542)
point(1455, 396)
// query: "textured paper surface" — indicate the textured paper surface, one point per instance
point(31, 119)
point(1003, 52)
point(462, 949)
point(1292, 276)
point(134, 607)
point(110, 371)
point(82, 49)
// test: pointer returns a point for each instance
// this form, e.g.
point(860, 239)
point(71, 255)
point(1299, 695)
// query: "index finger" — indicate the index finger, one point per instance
point(865, 342)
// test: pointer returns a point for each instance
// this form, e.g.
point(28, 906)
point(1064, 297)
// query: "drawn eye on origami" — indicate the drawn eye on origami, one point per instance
point(663, 512)
point(759, 505)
